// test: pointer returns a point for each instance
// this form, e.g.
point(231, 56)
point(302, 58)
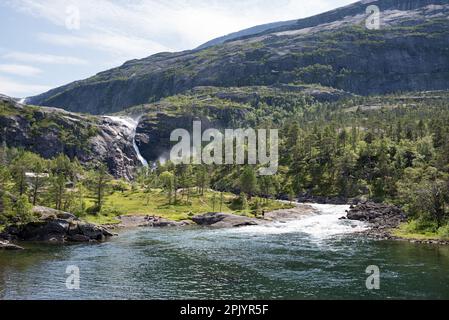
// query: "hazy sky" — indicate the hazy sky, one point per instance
point(43, 44)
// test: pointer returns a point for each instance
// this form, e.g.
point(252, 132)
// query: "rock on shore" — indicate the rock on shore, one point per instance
point(149, 221)
point(224, 220)
point(284, 215)
point(381, 217)
point(56, 226)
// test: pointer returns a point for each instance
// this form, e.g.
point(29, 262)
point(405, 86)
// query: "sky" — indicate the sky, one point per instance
point(47, 43)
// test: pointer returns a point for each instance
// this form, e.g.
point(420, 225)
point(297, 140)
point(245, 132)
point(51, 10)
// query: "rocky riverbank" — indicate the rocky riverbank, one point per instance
point(384, 219)
point(213, 219)
point(63, 227)
point(380, 216)
point(55, 226)
point(225, 220)
point(137, 221)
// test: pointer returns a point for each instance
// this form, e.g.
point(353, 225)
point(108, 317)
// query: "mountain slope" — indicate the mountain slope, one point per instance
point(358, 8)
point(50, 132)
point(409, 53)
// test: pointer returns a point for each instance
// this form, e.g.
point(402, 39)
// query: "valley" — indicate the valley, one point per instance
point(88, 178)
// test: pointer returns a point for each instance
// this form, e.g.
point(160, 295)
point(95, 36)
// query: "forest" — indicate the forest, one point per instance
point(390, 149)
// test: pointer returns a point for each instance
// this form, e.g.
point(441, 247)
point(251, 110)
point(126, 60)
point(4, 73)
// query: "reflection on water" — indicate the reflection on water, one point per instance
point(318, 257)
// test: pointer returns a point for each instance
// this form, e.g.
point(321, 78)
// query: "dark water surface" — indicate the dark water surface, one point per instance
point(318, 257)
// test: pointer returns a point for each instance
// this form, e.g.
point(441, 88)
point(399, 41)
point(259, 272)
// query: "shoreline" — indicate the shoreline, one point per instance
point(385, 222)
point(392, 235)
point(132, 221)
point(377, 230)
point(285, 215)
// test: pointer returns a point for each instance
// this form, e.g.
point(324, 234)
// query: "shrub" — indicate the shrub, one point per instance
point(444, 231)
point(421, 225)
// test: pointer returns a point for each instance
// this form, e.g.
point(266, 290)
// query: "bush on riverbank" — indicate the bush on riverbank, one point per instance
point(422, 230)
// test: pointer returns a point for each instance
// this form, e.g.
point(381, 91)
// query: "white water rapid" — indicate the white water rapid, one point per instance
point(324, 224)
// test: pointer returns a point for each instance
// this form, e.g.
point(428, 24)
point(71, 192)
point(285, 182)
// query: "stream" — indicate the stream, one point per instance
point(318, 256)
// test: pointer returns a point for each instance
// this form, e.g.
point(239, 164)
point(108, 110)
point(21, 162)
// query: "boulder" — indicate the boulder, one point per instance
point(296, 213)
point(45, 213)
point(40, 230)
point(224, 220)
point(93, 232)
point(56, 226)
point(162, 223)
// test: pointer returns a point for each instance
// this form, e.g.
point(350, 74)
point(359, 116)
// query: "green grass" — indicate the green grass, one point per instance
point(405, 231)
point(156, 203)
point(101, 219)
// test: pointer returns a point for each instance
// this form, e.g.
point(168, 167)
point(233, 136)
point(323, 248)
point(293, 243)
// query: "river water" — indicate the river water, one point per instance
point(316, 257)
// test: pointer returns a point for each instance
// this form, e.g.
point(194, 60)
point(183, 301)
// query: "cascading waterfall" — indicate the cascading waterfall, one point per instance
point(131, 124)
point(142, 160)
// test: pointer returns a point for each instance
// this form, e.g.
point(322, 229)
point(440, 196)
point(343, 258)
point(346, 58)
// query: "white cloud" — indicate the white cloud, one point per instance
point(155, 25)
point(18, 89)
point(43, 58)
point(115, 44)
point(20, 70)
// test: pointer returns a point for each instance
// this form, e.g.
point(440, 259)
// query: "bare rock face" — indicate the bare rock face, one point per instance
point(224, 220)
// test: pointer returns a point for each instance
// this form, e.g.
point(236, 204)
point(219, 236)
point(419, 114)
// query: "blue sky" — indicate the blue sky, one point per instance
point(48, 43)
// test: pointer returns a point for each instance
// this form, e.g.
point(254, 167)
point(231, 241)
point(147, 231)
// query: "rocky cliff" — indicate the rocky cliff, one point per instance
point(50, 131)
point(408, 53)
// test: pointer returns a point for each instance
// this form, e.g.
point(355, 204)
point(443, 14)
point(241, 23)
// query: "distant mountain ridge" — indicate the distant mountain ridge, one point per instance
point(333, 49)
point(327, 17)
point(246, 32)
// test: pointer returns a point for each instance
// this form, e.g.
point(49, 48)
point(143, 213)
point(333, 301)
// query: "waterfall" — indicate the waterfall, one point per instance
point(131, 124)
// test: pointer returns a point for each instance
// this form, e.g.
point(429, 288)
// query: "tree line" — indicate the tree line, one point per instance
point(382, 150)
